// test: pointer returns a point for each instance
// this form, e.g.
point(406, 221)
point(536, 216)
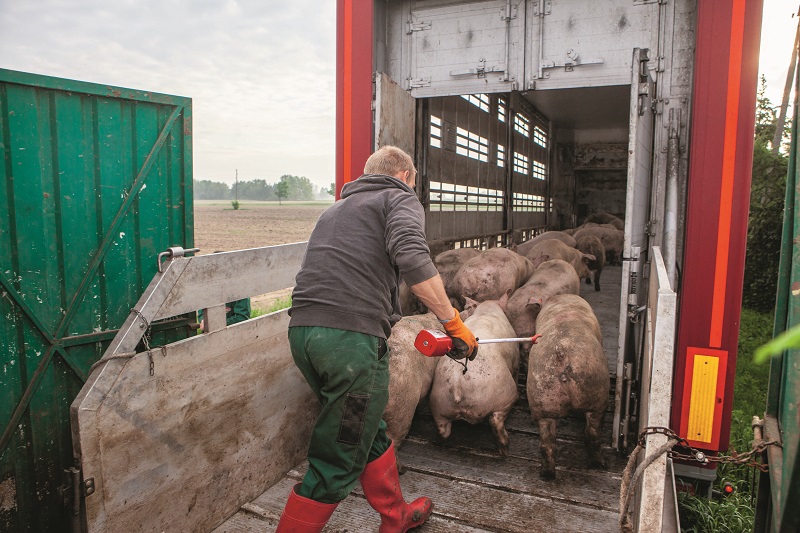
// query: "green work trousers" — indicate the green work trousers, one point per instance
point(349, 373)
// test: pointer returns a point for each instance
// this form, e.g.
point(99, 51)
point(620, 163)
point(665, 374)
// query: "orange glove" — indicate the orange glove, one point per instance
point(464, 342)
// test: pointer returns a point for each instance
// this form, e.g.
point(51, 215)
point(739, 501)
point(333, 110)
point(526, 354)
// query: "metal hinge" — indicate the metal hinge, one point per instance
point(545, 9)
point(421, 82)
point(508, 13)
point(649, 228)
point(417, 26)
point(658, 106)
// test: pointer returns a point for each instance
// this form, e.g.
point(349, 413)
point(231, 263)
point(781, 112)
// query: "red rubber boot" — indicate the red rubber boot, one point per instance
point(381, 486)
point(302, 515)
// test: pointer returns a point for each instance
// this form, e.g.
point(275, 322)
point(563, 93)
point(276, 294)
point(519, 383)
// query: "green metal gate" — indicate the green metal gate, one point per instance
point(779, 490)
point(95, 182)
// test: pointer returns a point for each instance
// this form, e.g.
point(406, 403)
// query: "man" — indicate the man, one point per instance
point(343, 307)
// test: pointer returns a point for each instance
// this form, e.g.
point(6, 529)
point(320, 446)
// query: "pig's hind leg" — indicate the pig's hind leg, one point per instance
point(498, 422)
point(594, 446)
point(444, 426)
point(547, 445)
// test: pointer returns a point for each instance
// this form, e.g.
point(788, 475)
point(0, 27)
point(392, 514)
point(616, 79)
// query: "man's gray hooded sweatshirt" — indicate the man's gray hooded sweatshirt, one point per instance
point(357, 252)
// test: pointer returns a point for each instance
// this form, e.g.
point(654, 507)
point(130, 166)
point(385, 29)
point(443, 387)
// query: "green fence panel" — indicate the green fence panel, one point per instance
point(778, 508)
point(95, 182)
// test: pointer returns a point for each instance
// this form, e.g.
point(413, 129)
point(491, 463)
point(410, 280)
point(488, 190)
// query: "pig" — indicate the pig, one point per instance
point(489, 387)
point(613, 241)
point(549, 279)
point(554, 249)
point(568, 375)
point(438, 246)
point(409, 303)
point(448, 264)
point(606, 218)
point(410, 374)
point(525, 247)
point(489, 275)
point(590, 244)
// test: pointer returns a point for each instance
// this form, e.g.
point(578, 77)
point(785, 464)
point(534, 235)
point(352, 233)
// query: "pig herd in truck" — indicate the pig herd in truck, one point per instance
point(530, 288)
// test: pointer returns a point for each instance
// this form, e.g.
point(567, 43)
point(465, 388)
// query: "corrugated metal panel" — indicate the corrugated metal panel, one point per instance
point(777, 508)
point(95, 181)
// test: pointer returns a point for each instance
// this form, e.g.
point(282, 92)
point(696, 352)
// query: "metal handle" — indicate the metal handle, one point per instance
point(533, 339)
point(173, 252)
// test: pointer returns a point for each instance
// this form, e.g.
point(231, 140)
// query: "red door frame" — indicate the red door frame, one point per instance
point(720, 166)
point(354, 30)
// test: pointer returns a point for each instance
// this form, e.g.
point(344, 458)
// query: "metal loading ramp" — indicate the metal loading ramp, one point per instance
point(473, 488)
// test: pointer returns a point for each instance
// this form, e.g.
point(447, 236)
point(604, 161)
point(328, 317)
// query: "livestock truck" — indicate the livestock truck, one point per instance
point(522, 116)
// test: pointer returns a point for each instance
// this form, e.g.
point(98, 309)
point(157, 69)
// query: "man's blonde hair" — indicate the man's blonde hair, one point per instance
point(389, 160)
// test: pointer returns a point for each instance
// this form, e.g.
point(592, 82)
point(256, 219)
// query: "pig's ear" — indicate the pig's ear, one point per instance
point(534, 305)
point(513, 247)
point(588, 257)
point(503, 301)
point(471, 304)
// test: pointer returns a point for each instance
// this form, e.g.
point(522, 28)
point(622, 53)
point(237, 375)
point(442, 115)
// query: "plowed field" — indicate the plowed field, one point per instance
point(219, 227)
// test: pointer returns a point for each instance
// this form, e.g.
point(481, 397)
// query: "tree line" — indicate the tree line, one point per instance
point(767, 195)
point(286, 188)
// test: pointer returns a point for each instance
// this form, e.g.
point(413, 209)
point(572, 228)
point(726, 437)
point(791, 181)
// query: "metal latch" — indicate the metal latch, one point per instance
point(417, 26)
point(573, 60)
point(479, 71)
point(172, 253)
point(421, 82)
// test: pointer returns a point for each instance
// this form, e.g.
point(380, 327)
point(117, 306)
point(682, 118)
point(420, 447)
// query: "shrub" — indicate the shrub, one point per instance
point(235, 204)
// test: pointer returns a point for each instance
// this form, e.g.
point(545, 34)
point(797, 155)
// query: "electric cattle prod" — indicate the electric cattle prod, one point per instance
point(435, 343)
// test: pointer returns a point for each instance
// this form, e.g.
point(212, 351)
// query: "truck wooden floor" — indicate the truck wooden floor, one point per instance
point(473, 488)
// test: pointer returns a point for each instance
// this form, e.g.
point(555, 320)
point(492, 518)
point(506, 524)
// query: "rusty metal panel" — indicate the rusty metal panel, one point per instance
point(218, 419)
point(225, 410)
point(657, 369)
point(95, 181)
point(395, 115)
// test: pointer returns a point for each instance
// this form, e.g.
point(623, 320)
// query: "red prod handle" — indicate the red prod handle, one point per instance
point(433, 343)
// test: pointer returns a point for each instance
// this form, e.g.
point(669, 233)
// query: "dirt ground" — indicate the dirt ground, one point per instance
point(219, 227)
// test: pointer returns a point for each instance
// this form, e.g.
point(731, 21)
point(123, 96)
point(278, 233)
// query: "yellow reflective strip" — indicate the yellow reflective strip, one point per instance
point(703, 399)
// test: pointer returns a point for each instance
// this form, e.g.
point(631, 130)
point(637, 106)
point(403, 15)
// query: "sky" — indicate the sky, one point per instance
point(261, 73)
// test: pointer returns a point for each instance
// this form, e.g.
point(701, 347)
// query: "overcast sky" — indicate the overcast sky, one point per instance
point(261, 73)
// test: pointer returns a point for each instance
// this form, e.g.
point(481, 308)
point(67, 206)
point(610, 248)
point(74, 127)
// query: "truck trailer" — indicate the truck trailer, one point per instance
point(522, 116)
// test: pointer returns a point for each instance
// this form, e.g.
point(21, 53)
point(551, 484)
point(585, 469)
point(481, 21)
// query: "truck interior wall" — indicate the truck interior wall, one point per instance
point(485, 165)
point(601, 177)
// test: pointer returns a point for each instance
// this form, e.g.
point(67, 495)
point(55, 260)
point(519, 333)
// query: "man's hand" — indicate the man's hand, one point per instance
point(464, 342)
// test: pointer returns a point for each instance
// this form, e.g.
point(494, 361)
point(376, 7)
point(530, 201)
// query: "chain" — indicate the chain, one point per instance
point(747, 458)
point(146, 339)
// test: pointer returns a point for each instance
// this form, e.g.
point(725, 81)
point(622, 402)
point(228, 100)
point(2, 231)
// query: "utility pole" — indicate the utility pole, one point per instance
point(236, 187)
point(776, 141)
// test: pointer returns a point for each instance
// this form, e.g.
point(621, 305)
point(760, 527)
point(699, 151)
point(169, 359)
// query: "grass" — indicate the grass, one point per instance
point(277, 305)
point(735, 513)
